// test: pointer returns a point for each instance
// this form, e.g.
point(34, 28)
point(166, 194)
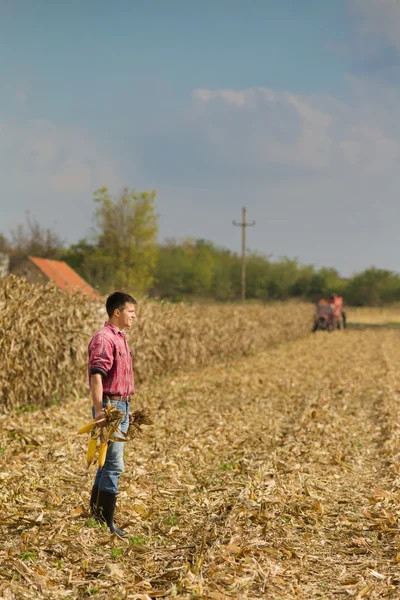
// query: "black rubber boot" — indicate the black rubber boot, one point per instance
point(104, 510)
point(93, 501)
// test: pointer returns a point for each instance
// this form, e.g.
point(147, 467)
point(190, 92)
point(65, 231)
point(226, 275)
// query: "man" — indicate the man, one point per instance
point(337, 304)
point(111, 377)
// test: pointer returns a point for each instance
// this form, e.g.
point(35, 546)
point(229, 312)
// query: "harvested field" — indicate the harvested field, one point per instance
point(374, 316)
point(275, 476)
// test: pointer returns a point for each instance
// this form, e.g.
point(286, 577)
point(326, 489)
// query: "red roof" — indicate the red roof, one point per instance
point(64, 277)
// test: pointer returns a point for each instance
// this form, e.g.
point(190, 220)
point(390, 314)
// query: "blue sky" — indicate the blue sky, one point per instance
point(291, 109)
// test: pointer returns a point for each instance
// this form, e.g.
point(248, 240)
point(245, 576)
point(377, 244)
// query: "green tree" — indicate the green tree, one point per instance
point(284, 274)
point(91, 263)
point(223, 285)
point(258, 276)
point(172, 272)
point(125, 255)
point(373, 287)
point(302, 286)
point(324, 282)
point(185, 269)
point(202, 272)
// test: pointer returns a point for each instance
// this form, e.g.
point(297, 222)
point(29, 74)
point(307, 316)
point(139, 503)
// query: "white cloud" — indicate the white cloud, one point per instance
point(377, 19)
point(57, 157)
point(52, 171)
point(307, 167)
point(261, 126)
point(319, 175)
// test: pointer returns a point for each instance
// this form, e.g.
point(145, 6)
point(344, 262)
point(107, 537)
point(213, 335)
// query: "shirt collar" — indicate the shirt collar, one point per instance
point(114, 329)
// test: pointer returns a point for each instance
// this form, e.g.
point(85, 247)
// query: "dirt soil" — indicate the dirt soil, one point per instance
point(274, 477)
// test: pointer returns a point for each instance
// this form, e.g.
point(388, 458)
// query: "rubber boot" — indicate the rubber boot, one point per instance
point(93, 501)
point(105, 510)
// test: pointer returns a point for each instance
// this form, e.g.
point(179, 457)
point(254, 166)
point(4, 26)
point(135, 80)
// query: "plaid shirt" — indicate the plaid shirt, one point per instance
point(109, 355)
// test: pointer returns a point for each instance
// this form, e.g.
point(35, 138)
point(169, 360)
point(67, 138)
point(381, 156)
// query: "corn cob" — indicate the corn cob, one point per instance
point(102, 454)
point(91, 451)
point(86, 428)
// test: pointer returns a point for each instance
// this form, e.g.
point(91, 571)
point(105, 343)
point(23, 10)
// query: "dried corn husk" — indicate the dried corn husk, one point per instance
point(137, 419)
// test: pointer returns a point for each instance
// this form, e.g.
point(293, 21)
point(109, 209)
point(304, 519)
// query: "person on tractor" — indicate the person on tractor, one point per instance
point(337, 306)
point(329, 314)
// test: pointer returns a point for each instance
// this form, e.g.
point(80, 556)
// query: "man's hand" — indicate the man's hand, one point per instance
point(99, 416)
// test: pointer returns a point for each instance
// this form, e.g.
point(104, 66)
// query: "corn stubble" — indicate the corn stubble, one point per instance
point(276, 476)
point(44, 334)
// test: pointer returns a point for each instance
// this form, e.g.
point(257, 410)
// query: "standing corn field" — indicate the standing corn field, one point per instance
point(44, 352)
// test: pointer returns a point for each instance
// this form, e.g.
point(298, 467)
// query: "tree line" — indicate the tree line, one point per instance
point(123, 253)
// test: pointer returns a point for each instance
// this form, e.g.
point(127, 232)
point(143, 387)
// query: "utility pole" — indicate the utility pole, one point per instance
point(243, 225)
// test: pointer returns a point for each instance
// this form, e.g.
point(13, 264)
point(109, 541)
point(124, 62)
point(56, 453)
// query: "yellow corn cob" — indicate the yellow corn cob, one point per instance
point(91, 451)
point(102, 454)
point(86, 428)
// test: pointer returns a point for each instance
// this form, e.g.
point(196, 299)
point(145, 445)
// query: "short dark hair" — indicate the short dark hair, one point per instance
point(117, 300)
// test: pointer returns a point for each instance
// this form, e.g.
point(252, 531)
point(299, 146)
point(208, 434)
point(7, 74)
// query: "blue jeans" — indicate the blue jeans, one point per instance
point(107, 477)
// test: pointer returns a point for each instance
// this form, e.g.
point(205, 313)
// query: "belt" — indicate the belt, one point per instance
point(119, 398)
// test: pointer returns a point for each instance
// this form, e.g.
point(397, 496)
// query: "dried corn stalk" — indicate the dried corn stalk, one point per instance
point(43, 349)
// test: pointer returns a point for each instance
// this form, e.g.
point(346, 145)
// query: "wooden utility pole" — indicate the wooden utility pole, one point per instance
point(243, 225)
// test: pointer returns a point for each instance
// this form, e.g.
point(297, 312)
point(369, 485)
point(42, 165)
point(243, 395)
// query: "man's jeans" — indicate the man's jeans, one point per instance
point(107, 478)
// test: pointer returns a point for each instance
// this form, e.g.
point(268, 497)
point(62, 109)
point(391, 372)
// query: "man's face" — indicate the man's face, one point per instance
point(126, 316)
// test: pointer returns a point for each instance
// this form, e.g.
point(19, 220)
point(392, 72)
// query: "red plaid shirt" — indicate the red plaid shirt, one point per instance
point(109, 355)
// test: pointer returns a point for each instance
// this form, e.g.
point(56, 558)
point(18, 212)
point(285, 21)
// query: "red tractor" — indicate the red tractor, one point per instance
point(329, 314)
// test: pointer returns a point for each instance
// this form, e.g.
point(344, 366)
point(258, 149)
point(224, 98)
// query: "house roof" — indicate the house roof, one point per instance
point(64, 276)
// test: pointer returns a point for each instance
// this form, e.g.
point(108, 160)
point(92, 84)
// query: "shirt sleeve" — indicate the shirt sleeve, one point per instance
point(101, 355)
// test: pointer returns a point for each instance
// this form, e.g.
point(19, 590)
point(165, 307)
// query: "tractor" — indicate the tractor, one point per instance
point(329, 315)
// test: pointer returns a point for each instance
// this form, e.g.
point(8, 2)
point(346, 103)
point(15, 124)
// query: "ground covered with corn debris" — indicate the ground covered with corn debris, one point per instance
point(275, 476)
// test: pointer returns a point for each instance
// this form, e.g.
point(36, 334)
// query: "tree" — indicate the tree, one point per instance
point(172, 272)
point(85, 258)
point(227, 270)
point(373, 287)
point(184, 269)
point(31, 239)
point(4, 244)
point(258, 276)
point(324, 282)
point(126, 240)
point(202, 267)
point(284, 274)
point(302, 286)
